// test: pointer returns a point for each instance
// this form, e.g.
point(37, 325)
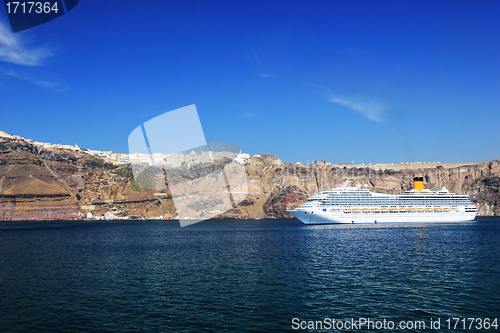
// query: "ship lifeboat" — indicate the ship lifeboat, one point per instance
point(420, 210)
point(356, 210)
point(412, 210)
point(347, 210)
point(366, 210)
point(446, 209)
point(438, 210)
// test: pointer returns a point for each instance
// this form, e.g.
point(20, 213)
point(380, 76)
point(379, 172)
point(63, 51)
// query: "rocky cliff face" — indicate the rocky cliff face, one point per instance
point(37, 184)
point(290, 185)
point(29, 191)
point(62, 184)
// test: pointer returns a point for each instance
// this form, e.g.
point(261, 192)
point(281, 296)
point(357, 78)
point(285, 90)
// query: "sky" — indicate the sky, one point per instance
point(341, 81)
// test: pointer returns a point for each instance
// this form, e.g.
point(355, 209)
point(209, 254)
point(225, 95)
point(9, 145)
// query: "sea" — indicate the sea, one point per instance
point(249, 276)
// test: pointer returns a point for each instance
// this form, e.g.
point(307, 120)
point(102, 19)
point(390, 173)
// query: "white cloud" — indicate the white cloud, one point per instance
point(247, 114)
point(14, 50)
point(263, 75)
point(52, 85)
point(256, 57)
point(372, 110)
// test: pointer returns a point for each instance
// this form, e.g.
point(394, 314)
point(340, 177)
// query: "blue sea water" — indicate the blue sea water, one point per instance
point(244, 276)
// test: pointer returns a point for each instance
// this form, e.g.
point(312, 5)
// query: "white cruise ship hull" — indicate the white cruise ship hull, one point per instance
point(347, 204)
point(320, 217)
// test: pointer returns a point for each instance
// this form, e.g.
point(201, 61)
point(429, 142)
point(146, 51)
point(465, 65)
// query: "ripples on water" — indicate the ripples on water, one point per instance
point(242, 276)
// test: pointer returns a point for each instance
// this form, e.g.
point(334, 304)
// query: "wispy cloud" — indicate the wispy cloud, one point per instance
point(13, 49)
point(247, 114)
point(264, 73)
point(49, 84)
point(371, 109)
point(256, 57)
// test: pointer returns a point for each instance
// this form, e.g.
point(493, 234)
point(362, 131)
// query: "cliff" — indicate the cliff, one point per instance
point(57, 183)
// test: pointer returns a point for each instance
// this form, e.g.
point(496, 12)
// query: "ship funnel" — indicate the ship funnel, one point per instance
point(418, 183)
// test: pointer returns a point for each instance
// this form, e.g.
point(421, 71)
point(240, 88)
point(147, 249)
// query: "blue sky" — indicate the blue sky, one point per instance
point(342, 81)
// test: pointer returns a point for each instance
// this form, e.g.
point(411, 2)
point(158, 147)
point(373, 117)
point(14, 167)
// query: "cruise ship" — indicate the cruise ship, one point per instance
point(356, 204)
